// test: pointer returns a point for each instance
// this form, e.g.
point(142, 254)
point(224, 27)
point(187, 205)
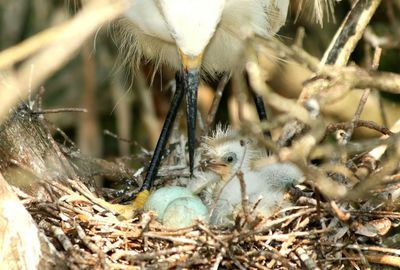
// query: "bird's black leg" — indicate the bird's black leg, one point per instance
point(260, 106)
point(191, 86)
point(262, 114)
point(166, 130)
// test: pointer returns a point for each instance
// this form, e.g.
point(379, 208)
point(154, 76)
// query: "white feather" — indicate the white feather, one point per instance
point(192, 23)
point(156, 29)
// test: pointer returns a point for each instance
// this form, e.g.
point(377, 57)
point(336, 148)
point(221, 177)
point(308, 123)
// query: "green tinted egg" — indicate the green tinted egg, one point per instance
point(184, 211)
point(161, 198)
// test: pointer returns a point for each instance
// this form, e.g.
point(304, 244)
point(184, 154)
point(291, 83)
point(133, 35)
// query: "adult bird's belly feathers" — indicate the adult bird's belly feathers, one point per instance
point(148, 34)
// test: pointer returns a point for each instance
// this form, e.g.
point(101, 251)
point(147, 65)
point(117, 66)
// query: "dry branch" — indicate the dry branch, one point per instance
point(350, 32)
point(37, 53)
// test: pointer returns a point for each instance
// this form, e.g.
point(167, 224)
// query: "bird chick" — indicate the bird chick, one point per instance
point(225, 154)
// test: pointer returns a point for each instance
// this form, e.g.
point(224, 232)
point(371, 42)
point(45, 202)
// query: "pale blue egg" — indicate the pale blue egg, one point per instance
point(161, 198)
point(184, 211)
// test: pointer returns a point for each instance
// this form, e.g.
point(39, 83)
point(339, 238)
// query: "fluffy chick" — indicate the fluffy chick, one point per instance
point(226, 153)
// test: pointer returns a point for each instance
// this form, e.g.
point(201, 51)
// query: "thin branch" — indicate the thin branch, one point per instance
point(60, 110)
point(215, 104)
point(38, 51)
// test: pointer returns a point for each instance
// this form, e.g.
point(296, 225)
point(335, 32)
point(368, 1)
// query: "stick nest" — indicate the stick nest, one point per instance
point(312, 234)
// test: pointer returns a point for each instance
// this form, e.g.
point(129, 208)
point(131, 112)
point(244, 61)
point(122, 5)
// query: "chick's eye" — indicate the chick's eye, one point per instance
point(230, 157)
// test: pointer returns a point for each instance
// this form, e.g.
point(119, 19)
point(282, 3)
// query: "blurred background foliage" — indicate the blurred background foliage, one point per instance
point(118, 101)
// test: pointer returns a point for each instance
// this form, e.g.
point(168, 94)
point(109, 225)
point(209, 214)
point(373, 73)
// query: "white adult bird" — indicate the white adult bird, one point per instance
point(193, 36)
point(225, 154)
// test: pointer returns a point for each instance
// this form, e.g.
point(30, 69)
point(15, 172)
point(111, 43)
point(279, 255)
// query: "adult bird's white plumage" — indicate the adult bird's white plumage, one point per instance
point(225, 154)
point(159, 30)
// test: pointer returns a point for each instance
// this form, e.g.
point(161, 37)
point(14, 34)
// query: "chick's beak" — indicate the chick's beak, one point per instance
point(191, 70)
point(216, 166)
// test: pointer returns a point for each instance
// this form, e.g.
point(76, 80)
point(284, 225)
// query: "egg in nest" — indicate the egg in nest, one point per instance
point(176, 207)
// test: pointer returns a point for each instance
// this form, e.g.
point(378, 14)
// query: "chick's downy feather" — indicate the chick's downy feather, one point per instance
point(226, 153)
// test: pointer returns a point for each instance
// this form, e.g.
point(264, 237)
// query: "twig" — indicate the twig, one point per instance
point(63, 160)
point(62, 238)
point(212, 235)
point(215, 104)
point(367, 248)
point(39, 98)
point(62, 133)
point(364, 98)
point(357, 115)
point(244, 197)
point(87, 241)
point(217, 262)
point(134, 257)
point(376, 214)
point(299, 39)
point(60, 110)
point(69, 207)
point(384, 259)
point(343, 216)
point(285, 237)
point(179, 240)
point(359, 123)
point(306, 260)
point(326, 150)
point(123, 266)
point(278, 221)
point(135, 143)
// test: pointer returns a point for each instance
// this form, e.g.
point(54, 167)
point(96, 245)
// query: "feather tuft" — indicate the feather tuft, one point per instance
point(319, 9)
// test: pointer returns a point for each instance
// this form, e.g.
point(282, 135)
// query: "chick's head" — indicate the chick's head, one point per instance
point(226, 152)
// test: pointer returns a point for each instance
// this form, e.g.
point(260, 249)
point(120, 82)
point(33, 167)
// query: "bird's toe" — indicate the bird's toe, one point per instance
point(141, 199)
